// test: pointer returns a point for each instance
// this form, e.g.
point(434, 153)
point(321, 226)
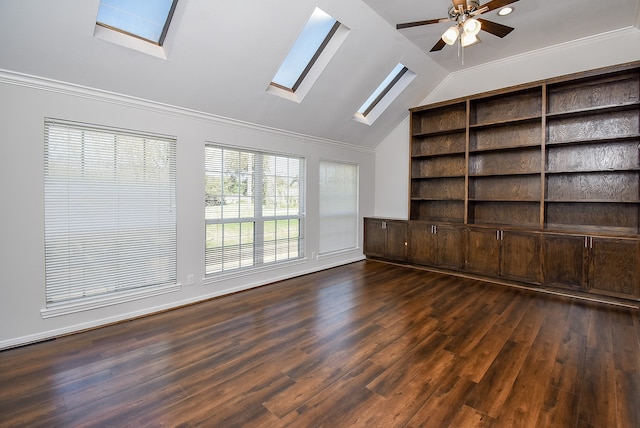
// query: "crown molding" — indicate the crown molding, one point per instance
point(69, 89)
point(612, 37)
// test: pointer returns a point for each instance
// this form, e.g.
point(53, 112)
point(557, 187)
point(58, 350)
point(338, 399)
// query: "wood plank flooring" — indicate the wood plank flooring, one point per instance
point(366, 344)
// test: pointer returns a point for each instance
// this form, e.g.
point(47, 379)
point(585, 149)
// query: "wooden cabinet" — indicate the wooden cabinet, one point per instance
point(483, 251)
point(601, 265)
point(385, 238)
point(614, 267)
point(437, 245)
point(565, 261)
point(509, 254)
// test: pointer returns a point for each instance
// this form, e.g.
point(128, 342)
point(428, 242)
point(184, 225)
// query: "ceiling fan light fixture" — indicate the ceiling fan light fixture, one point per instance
point(505, 11)
point(471, 27)
point(467, 39)
point(451, 35)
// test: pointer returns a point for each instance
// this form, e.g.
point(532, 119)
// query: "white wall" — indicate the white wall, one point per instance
point(392, 155)
point(392, 174)
point(25, 101)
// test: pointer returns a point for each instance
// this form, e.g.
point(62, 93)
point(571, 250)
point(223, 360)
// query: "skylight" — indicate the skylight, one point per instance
point(145, 19)
point(382, 90)
point(310, 43)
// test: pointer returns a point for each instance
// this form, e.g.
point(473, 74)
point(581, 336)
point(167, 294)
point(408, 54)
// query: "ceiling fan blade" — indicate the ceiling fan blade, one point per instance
point(479, 11)
point(496, 4)
point(418, 23)
point(438, 46)
point(495, 28)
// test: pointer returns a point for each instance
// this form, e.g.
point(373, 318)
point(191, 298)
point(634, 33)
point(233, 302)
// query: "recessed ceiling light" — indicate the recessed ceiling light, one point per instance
point(505, 11)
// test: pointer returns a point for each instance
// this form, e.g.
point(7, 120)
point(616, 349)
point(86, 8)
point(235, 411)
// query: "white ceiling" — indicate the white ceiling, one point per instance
point(221, 55)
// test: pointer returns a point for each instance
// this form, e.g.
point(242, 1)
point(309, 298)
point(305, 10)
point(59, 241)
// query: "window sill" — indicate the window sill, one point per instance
point(60, 309)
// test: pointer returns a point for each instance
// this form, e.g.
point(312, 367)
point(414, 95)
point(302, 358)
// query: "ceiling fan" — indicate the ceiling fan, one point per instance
point(463, 13)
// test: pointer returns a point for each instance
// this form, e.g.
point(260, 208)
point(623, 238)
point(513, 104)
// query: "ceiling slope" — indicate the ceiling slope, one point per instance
point(221, 56)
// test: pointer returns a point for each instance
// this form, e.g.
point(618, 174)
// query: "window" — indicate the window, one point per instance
point(145, 19)
point(254, 208)
point(338, 206)
point(110, 214)
point(310, 43)
point(383, 89)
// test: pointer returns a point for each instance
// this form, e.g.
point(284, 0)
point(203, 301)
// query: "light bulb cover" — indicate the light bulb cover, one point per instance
point(451, 35)
point(471, 26)
point(468, 39)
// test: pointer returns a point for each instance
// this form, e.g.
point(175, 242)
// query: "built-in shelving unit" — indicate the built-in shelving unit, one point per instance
point(555, 155)
point(438, 164)
point(538, 184)
point(592, 162)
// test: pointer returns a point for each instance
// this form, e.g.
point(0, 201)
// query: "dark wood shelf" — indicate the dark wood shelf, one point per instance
point(437, 199)
point(505, 148)
point(434, 155)
point(504, 174)
point(591, 201)
point(435, 177)
point(520, 200)
point(439, 132)
point(593, 110)
point(591, 171)
point(584, 141)
point(506, 122)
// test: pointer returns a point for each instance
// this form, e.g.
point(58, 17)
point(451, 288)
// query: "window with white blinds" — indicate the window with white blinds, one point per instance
point(338, 206)
point(110, 214)
point(254, 208)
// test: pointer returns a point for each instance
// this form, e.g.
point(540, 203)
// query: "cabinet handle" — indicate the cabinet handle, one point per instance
point(497, 235)
point(384, 224)
point(586, 240)
point(435, 228)
point(591, 242)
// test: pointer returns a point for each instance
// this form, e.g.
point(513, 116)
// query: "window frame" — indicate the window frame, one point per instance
point(163, 33)
point(364, 112)
point(259, 218)
point(353, 215)
point(78, 257)
point(312, 61)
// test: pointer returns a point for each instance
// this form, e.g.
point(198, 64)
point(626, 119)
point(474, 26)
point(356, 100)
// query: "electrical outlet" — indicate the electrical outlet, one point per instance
point(190, 279)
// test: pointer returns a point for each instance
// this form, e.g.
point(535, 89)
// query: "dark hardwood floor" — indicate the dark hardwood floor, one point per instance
point(367, 344)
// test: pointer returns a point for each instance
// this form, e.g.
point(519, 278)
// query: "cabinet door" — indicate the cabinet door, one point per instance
point(450, 248)
point(374, 237)
point(565, 261)
point(614, 267)
point(422, 244)
point(396, 240)
point(520, 256)
point(483, 251)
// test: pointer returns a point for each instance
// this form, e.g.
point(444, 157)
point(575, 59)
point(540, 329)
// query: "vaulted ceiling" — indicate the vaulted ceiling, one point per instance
point(222, 55)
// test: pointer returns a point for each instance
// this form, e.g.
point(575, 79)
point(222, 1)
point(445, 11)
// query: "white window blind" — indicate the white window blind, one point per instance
point(110, 213)
point(254, 208)
point(338, 206)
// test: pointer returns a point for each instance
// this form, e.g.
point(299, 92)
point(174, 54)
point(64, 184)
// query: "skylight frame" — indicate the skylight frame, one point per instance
point(163, 33)
point(382, 91)
point(314, 58)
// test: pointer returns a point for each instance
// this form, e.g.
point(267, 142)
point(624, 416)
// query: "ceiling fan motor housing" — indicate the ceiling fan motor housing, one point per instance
point(454, 13)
